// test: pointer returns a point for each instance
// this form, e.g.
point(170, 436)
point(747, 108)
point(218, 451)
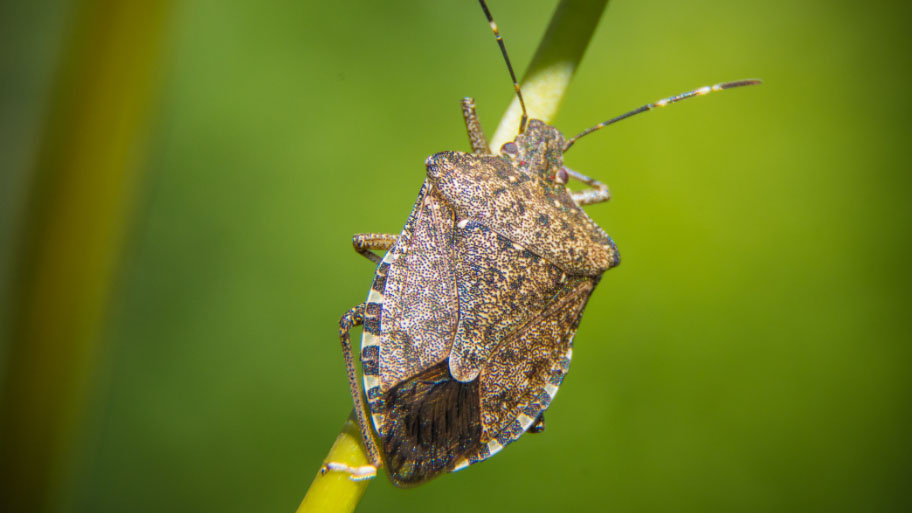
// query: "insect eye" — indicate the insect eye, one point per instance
point(509, 149)
point(561, 176)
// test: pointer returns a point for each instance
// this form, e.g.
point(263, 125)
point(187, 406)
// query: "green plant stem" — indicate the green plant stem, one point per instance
point(544, 86)
point(334, 491)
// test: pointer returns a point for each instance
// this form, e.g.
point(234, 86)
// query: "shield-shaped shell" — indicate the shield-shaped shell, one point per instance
point(469, 323)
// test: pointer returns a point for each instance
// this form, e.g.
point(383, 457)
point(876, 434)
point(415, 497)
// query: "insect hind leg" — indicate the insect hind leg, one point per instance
point(538, 425)
point(352, 318)
point(596, 193)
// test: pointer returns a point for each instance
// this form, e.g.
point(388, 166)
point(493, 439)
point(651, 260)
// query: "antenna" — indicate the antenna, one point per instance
point(503, 49)
point(661, 103)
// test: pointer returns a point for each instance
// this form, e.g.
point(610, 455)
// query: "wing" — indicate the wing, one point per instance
point(500, 286)
point(418, 302)
point(524, 373)
point(433, 422)
point(538, 214)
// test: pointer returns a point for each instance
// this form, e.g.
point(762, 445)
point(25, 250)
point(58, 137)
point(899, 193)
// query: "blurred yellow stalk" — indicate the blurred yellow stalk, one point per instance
point(73, 232)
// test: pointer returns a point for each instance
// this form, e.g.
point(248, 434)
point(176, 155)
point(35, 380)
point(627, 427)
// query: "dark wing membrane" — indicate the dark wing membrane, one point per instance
point(433, 422)
point(530, 211)
point(419, 300)
point(500, 286)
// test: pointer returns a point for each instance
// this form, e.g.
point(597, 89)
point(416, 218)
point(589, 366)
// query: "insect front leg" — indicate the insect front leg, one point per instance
point(352, 318)
point(364, 243)
point(473, 127)
point(597, 193)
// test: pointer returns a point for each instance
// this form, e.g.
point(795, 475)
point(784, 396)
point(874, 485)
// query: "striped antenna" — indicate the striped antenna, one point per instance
point(503, 49)
point(661, 103)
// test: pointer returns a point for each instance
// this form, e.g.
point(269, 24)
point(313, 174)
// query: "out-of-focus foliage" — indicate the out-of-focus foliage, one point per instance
point(750, 354)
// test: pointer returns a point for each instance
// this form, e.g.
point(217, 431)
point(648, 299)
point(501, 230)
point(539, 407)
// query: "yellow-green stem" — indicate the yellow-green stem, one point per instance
point(544, 86)
point(334, 491)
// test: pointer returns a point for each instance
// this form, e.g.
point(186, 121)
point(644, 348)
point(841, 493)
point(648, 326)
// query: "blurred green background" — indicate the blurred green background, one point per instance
point(751, 353)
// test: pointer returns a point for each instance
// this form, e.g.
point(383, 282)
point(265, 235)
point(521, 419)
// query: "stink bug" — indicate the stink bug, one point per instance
point(468, 326)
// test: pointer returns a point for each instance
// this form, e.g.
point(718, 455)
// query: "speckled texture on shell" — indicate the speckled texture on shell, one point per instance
point(419, 305)
point(513, 195)
point(514, 381)
point(500, 287)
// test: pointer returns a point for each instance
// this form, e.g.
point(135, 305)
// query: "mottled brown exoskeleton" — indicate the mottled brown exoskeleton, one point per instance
point(468, 326)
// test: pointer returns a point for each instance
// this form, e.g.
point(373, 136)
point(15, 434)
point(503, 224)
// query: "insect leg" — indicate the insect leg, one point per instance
point(365, 242)
point(352, 318)
point(538, 425)
point(597, 193)
point(473, 127)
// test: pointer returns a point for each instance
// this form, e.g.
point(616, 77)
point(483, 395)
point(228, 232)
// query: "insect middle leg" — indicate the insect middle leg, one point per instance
point(473, 127)
point(364, 243)
point(596, 193)
point(352, 318)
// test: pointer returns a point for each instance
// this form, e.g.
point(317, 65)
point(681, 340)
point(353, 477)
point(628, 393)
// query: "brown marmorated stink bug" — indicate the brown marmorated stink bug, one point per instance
point(468, 327)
